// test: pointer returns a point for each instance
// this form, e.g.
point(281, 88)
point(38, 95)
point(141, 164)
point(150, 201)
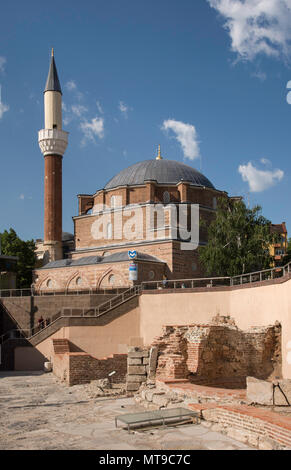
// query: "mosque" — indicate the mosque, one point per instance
point(115, 242)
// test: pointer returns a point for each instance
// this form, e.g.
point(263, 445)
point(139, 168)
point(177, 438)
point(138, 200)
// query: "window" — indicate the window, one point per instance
point(111, 279)
point(166, 197)
point(151, 275)
point(214, 203)
point(115, 201)
point(194, 267)
point(109, 231)
point(79, 281)
point(49, 283)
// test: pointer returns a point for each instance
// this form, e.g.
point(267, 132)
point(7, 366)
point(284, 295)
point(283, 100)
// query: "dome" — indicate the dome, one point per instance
point(162, 171)
point(66, 236)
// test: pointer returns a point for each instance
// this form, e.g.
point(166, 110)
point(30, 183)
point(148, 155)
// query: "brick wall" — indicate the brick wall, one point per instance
point(255, 426)
point(214, 353)
point(78, 367)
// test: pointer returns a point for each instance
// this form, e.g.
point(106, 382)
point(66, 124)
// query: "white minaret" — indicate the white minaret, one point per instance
point(53, 142)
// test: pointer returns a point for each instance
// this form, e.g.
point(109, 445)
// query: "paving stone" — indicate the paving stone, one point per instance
point(65, 419)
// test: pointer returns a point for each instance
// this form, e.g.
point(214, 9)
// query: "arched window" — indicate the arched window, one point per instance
point(214, 203)
point(49, 283)
point(79, 281)
point(111, 279)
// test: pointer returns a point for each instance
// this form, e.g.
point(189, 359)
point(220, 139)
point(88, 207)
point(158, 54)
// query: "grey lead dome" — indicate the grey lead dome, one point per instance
point(162, 171)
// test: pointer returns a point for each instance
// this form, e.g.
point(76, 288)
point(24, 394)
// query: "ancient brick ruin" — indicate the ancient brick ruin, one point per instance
point(218, 353)
point(79, 367)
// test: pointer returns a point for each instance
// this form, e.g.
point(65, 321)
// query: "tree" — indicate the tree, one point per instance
point(238, 240)
point(12, 245)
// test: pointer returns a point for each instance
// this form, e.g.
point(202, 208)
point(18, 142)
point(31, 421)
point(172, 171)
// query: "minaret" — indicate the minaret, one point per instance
point(53, 142)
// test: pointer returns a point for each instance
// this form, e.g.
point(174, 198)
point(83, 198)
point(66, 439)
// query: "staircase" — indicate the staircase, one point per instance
point(105, 312)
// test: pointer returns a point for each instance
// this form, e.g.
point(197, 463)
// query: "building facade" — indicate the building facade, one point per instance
point(144, 225)
point(278, 250)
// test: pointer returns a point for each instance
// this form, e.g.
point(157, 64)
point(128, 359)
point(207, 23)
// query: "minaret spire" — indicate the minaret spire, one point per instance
point(53, 83)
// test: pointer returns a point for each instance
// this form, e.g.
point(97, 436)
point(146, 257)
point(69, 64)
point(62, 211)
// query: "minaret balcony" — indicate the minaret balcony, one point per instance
point(52, 141)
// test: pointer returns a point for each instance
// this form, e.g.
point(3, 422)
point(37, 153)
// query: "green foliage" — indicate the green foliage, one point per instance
point(12, 245)
point(238, 240)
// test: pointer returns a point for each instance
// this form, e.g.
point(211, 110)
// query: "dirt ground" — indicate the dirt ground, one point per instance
point(38, 412)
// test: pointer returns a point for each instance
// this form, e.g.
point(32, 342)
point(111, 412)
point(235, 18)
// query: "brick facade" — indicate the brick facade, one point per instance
point(95, 238)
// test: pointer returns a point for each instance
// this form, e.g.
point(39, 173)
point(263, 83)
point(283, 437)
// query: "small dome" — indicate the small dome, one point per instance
point(66, 236)
point(162, 171)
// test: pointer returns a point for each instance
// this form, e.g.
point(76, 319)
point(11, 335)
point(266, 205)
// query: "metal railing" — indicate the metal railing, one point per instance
point(104, 307)
point(248, 278)
point(60, 292)
point(187, 283)
point(263, 275)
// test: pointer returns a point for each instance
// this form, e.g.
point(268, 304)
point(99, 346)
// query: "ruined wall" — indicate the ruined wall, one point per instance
point(78, 367)
point(218, 353)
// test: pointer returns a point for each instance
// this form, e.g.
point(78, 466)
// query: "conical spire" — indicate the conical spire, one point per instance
point(53, 83)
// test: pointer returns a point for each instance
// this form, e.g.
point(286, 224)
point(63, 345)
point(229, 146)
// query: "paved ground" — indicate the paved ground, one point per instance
point(38, 412)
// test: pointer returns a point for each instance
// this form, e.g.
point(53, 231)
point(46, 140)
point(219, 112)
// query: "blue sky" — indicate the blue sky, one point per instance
point(206, 79)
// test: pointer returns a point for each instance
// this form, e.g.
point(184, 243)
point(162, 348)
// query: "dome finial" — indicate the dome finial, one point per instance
point(159, 157)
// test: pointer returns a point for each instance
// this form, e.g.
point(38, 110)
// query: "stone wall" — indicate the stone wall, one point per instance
point(141, 366)
point(217, 351)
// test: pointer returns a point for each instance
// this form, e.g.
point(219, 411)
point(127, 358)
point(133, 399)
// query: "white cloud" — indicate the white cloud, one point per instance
point(78, 109)
point(260, 75)
point(3, 107)
point(2, 63)
point(91, 129)
point(124, 108)
point(71, 85)
point(259, 180)
point(257, 26)
point(186, 135)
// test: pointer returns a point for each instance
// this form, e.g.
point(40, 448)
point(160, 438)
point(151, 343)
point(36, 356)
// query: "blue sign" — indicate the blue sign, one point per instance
point(132, 254)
